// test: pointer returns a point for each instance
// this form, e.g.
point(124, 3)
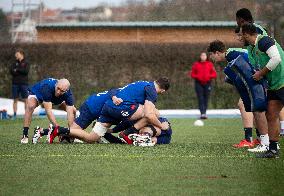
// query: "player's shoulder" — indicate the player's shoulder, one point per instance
point(260, 29)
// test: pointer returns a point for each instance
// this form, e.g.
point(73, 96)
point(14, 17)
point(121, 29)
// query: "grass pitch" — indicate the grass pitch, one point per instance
point(199, 161)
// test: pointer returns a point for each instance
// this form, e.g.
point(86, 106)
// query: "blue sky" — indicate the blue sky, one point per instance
point(64, 4)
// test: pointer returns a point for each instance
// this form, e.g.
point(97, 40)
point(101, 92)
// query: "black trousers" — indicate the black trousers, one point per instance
point(202, 92)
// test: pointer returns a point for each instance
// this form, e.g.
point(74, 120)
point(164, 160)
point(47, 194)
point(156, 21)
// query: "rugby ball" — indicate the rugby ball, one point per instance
point(198, 123)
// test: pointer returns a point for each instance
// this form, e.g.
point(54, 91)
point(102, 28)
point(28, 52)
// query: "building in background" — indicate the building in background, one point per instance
point(148, 32)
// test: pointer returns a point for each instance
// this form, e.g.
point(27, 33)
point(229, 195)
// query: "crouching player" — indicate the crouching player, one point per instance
point(138, 102)
point(90, 110)
point(219, 53)
point(48, 92)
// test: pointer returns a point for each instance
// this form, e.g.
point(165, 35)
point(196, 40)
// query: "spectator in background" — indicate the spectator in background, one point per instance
point(203, 72)
point(19, 71)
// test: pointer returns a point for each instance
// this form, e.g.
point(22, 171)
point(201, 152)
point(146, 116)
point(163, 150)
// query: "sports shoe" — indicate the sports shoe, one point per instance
point(269, 155)
point(25, 139)
point(37, 135)
point(52, 134)
point(282, 133)
point(243, 144)
point(203, 116)
point(256, 142)
point(141, 140)
point(259, 148)
point(124, 138)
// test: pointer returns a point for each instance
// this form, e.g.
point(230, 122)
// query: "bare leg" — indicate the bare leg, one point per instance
point(272, 115)
point(247, 117)
point(261, 122)
point(15, 106)
point(32, 103)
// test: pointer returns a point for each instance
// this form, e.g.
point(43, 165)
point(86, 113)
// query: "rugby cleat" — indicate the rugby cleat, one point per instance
point(37, 134)
point(25, 139)
point(259, 148)
point(52, 134)
point(244, 144)
point(124, 138)
point(269, 155)
point(141, 140)
point(256, 142)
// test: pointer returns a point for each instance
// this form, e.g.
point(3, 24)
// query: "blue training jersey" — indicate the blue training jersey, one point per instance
point(95, 102)
point(135, 93)
point(45, 92)
point(233, 53)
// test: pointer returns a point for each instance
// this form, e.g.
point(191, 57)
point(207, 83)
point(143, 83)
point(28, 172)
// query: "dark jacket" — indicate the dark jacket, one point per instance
point(19, 71)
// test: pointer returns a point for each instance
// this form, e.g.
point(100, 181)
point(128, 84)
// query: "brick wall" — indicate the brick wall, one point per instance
point(146, 35)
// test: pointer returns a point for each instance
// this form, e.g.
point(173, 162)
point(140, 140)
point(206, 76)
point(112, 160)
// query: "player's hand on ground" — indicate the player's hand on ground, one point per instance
point(257, 76)
point(165, 126)
point(116, 100)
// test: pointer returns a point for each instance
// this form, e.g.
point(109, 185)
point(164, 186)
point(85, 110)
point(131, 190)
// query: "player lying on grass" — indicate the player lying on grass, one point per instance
point(269, 57)
point(138, 103)
point(90, 110)
point(219, 53)
point(146, 136)
point(49, 92)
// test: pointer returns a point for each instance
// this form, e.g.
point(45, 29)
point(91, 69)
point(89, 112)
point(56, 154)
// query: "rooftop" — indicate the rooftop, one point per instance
point(139, 24)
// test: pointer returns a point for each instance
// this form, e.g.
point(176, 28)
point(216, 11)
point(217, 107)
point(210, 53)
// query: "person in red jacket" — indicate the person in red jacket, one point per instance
point(203, 72)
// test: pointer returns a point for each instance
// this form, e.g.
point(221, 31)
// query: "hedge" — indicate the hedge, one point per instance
point(94, 67)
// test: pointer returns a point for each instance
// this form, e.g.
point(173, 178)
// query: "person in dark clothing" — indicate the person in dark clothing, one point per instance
point(203, 72)
point(19, 71)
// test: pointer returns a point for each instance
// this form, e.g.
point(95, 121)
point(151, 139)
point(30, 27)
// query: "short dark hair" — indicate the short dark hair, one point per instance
point(249, 29)
point(215, 46)
point(164, 83)
point(245, 14)
point(21, 51)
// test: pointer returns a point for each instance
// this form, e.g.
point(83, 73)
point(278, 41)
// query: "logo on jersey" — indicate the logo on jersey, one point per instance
point(124, 113)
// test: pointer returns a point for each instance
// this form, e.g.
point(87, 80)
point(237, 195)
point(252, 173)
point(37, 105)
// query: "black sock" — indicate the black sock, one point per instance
point(122, 126)
point(130, 130)
point(44, 132)
point(26, 131)
point(112, 139)
point(273, 145)
point(257, 133)
point(248, 134)
point(63, 131)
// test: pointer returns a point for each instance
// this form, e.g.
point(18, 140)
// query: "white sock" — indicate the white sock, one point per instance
point(282, 126)
point(264, 139)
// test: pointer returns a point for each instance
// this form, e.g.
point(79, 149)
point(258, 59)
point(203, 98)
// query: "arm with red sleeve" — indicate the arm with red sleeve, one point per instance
point(194, 71)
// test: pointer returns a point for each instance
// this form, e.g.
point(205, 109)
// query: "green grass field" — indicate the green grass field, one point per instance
point(199, 161)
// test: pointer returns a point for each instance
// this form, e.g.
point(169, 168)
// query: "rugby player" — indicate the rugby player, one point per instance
point(219, 53)
point(138, 103)
point(269, 57)
point(48, 92)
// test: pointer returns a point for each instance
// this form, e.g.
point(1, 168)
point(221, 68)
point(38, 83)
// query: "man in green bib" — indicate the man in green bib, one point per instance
point(268, 57)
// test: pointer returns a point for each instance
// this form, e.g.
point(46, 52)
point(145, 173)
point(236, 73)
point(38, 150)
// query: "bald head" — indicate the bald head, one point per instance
point(62, 87)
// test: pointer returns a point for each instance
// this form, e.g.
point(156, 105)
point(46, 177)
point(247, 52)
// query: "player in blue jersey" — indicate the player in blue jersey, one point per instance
point(219, 53)
point(138, 103)
point(90, 110)
point(47, 92)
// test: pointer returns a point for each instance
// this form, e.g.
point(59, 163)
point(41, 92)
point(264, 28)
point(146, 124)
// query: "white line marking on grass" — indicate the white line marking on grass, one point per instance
point(122, 156)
